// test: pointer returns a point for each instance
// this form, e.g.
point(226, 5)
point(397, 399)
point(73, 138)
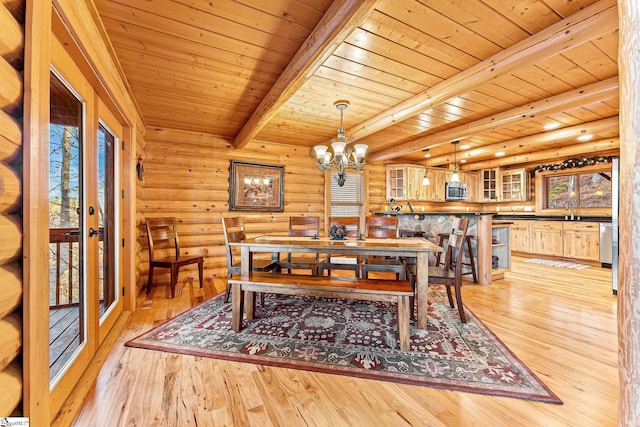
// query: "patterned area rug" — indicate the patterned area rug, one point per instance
point(357, 338)
point(552, 263)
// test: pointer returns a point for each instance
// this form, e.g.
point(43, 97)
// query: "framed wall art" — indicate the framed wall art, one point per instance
point(256, 187)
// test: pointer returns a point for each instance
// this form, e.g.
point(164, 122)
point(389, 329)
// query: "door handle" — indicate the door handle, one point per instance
point(93, 232)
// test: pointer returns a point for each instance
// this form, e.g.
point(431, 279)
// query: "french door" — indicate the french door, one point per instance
point(84, 301)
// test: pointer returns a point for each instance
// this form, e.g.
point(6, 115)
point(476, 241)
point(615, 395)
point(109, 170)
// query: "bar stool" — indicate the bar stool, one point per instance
point(442, 237)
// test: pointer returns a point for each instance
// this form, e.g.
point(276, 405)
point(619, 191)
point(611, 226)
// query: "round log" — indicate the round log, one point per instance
point(16, 8)
point(10, 288)
point(11, 36)
point(10, 138)
point(10, 190)
point(10, 338)
point(10, 388)
point(11, 232)
point(11, 87)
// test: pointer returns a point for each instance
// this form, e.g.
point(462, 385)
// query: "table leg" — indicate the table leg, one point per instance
point(246, 262)
point(422, 294)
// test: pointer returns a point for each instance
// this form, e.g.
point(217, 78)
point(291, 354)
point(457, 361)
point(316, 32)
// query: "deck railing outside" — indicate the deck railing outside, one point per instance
point(64, 267)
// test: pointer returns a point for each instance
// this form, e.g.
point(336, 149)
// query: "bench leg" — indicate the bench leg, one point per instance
point(237, 304)
point(249, 303)
point(404, 329)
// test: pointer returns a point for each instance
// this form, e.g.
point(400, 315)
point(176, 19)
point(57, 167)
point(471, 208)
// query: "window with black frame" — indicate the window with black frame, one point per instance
point(579, 190)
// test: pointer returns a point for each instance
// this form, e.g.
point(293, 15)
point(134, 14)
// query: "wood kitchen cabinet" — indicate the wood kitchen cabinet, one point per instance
point(397, 182)
point(520, 236)
point(513, 184)
point(581, 240)
point(404, 182)
point(546, 238)
point(471, 179)
point(500, 252)
point(489, 185)
point(568, 239)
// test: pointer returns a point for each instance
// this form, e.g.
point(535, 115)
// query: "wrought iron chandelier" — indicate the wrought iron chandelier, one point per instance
point(341, 156)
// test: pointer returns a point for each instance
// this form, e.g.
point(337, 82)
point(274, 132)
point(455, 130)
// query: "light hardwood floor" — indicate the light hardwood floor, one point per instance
point(560, 322)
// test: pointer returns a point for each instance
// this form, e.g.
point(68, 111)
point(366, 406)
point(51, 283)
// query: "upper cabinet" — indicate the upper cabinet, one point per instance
point(503, 185)
point(404, 182)
point(489, 185)
point(396, 182)
point(514, 185)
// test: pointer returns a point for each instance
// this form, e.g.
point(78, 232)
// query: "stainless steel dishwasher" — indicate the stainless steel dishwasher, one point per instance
point(606, 244)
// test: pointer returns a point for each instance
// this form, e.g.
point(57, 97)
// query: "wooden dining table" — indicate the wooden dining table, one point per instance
point(417, 248)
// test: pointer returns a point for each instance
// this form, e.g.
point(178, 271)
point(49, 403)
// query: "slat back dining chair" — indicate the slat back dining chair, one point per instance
point(164, 251)
point(450, 274)
point(382, 227)
point(302, 226)
point(342, 262)
point(234, 231)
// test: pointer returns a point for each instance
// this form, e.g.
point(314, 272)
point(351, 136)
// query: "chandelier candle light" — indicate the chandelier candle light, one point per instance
point(343, 156)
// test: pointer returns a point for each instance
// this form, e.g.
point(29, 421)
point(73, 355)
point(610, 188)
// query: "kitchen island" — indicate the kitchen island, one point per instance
point(430, 224)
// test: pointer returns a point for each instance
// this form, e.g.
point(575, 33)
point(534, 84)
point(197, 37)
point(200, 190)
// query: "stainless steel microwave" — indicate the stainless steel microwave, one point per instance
point(455, 191)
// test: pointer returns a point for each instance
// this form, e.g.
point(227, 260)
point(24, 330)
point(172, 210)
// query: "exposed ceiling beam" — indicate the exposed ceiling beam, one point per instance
point(586, 95)
point(587, 24)
point(530, 142)
point(550, 155)
point(342, 17)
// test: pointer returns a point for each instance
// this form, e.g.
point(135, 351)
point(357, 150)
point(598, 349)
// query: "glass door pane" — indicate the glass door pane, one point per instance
point(106, 213)
point(67, 242)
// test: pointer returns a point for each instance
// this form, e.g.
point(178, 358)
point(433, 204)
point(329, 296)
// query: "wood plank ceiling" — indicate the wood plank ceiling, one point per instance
point(417, 73)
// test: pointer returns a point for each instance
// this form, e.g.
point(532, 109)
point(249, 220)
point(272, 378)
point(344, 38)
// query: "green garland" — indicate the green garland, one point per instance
point(573, 163)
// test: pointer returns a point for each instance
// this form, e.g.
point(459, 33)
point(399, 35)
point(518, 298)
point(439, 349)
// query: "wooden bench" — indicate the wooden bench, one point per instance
point(398, 291)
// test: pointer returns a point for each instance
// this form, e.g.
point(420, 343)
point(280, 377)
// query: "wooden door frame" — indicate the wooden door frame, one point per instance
point(68, 21)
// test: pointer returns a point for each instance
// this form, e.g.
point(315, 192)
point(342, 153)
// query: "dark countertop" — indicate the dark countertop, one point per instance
point(514, 217)
point(506, 217)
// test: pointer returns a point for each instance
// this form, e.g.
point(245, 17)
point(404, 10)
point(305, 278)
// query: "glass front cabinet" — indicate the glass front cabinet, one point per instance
point(489, 185)
point(503, 185)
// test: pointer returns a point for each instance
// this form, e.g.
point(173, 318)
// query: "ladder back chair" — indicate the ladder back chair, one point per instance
point(450, 274)
point(382, 227)
point(233, 230)
point(302, 226)
point(163, 241)
point(342, 262)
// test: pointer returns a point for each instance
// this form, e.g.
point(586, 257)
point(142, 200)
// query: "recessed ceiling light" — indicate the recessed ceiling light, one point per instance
point(463, 161)
point(585, 137)
point(550, 126)
point(500, 153)
point(465, 147)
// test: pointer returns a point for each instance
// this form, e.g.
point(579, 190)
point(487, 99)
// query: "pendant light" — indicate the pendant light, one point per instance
point(454, 176)
point(425, 179)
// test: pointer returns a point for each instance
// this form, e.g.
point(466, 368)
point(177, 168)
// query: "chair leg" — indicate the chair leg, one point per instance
point(472, 262)
point(227, 292)
point(463, 318)
point(201, 273)
point(438, 254)
point(449, 296)
point(150, 280)
point(174, 281)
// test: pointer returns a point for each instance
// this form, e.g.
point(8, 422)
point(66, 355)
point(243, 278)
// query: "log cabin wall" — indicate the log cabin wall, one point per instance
point(11, 289)
point(186, 175)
